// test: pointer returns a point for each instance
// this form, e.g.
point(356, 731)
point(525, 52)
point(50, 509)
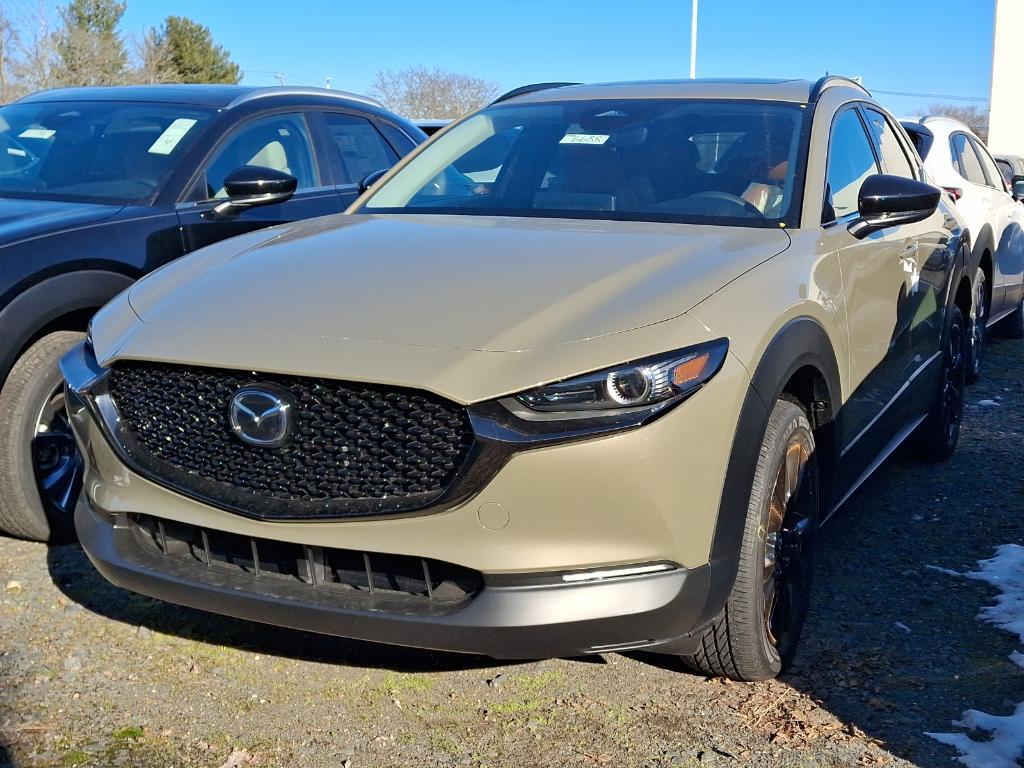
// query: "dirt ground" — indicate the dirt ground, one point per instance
point(92, 675)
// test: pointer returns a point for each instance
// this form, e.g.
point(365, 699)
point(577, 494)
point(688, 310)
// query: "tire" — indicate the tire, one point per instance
point(937, 436)
point(39, 463)
point(756, 635)
point(976, 325)
point(1013, 326)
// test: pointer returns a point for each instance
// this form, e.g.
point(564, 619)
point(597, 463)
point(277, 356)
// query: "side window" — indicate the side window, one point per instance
point(1005, 169)
point(280, 142)
point(361, 149)
point(893, 157)
point(850, 161)
point(397, 138)
point(966, 159)
point(988, 164)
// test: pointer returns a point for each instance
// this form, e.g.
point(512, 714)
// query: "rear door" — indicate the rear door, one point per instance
point(1006, 224)
point(978, 207)
point(279, 141)
point(356, 147)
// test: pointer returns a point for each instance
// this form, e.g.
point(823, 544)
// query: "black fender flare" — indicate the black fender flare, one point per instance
point(801, 342)
point(50, 299)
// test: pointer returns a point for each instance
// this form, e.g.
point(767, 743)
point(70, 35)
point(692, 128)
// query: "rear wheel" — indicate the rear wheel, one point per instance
point(938, 434)
point(976, 324)
point(764, 614)
point(40, 468)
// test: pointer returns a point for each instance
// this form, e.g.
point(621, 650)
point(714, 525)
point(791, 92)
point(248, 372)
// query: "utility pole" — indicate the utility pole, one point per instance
point(280, 78)
point(327, 82)
point(693, 41)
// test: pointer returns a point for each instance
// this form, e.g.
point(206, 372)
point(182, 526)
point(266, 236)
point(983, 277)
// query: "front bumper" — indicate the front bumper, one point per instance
point(647, 495)
point(522, 622)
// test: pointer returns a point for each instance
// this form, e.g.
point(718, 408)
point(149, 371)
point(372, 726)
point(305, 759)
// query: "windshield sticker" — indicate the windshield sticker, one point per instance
point(36, 133)
point(584, 138)
point(173, 134)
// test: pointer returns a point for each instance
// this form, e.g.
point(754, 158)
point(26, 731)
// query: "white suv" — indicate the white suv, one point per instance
point(958, 161)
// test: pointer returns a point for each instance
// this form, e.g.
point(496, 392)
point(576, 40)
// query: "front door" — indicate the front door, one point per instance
point(281, 142)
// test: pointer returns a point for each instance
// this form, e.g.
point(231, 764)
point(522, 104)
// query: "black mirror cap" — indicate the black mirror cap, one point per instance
point(255, 182)
point(371, 178)
point(886, 201)
point(1018, 187)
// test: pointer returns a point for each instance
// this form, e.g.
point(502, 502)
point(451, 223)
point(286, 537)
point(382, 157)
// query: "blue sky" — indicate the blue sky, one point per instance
point(925, 46)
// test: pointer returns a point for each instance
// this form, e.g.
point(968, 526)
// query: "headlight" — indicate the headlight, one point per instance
point(649, 384)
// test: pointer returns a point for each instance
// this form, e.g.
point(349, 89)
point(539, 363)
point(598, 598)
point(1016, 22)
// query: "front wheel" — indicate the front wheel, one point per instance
point(938, 434)
point(40, 467)
point(976, 325)
point(764, 614)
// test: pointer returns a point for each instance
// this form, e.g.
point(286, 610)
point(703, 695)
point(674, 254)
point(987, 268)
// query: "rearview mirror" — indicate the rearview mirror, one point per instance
point(370, 179)
point(887, 201)
point(252, 185)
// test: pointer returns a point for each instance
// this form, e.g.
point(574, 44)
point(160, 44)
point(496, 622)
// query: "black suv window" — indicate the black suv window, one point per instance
point(361, 148)
point(280, 142)
point(1005, 169)
point(850, 161)
point(893, 157)
point(966, 159)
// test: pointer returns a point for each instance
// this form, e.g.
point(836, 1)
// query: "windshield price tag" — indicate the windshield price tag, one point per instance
point(174, 133)
point(583, 138)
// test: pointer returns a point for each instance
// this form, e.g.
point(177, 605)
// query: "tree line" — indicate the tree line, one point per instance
point(85, 45)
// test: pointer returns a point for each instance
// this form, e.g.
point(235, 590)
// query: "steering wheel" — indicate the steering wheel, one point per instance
point(728, 198)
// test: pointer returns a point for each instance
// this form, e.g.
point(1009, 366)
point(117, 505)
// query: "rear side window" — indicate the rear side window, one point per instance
point(401, 143)
point(988, 164)
point(361, 149)
point(1005, 169)
point(850, 161)
point(966, 159)
point(893, 157)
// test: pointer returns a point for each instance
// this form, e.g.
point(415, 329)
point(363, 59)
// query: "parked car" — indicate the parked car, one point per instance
point(958, 161)
point(1012, 169)
point(600, 402)
point(100, 185)
point(430, 127)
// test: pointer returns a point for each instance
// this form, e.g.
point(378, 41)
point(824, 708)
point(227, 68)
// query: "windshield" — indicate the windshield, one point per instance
point(104, 152)
point(694, 161)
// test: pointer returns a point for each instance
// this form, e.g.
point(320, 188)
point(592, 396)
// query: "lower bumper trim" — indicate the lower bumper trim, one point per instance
point(510, 622)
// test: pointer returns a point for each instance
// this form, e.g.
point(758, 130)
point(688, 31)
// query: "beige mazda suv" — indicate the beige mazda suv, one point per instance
point(583, 374)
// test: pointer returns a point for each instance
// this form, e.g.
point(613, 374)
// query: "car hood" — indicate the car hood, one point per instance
point(459, 282)
point(24, 219)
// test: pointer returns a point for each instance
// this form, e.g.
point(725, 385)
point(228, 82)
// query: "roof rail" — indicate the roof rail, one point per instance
point(525, 89)
point(829, 81)
point(299, 90)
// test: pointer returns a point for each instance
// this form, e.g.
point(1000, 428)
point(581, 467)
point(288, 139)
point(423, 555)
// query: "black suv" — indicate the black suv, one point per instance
point(99, 186)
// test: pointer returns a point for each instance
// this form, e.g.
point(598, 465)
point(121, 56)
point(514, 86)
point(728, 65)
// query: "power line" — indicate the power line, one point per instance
point(946, 96)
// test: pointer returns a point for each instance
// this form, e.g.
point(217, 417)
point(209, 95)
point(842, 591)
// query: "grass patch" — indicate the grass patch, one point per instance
point(128, 733)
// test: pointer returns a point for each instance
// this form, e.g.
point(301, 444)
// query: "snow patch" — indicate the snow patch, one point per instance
point(1005, 744)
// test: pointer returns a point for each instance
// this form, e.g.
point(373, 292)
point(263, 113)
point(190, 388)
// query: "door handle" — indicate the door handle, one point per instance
point(949, 222)
point(909, 251)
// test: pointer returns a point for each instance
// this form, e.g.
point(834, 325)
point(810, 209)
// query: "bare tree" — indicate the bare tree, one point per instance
point(8, 51)
point(419, 92)
point(153, 61)
point(34, 60)
point(975, 118)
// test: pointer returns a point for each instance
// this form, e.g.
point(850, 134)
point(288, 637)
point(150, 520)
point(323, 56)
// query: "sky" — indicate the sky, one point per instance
point(941, 47)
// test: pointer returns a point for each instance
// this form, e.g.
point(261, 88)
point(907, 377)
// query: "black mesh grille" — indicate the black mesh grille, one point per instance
point(354, 448)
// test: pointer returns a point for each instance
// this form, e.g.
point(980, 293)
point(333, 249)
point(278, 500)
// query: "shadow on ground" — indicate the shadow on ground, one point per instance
point(891, 647)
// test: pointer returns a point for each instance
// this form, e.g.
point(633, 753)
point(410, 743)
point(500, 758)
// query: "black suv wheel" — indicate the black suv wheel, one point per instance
point(40, 468)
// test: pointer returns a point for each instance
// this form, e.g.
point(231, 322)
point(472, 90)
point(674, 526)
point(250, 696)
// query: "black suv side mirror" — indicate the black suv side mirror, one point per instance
point(886, 201)
point(371, 178)
point(1017, 185)
point(252, 185)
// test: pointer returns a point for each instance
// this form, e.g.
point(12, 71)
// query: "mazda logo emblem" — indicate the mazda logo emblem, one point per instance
point(260, 415)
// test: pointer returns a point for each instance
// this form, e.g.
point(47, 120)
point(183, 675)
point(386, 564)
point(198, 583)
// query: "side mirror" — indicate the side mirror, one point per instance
point(371, 178)
point(253, 185)
point(1018, 187)
point(887, 201)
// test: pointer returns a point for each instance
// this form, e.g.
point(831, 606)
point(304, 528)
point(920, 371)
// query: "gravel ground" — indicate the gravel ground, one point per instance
point(92, 675)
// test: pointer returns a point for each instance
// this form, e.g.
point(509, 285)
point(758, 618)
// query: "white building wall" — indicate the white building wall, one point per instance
point(1006, 107)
